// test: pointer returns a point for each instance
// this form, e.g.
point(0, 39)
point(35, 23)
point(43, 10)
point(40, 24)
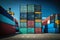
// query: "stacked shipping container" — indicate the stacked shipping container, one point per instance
point(50, 24)
point(23, 19)
point(38, 21)
point(57, 22)
point(30, 19)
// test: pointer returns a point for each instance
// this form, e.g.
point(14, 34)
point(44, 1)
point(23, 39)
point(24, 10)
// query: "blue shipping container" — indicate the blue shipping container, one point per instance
point(38, 24)
point(42, 30)
point(23, 15)
point(23, 25)
point(51, 30)
point(51, 25)
point(38, 16)
point(30, 16)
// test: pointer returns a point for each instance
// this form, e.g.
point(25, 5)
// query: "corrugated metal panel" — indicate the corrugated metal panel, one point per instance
point(56, 30)
point(51, 25)
point(38, 25)
point(38, 16)
point(30, 16)
point(30, 8)
point(30, 23)
point(23, 16)
point(6, 20)
point(42, 30)
point(38, 30)
point(23, 30)
point(23, 25)
point(23, 9)
point(52, 30)
point(30, 30)
point(37, 8)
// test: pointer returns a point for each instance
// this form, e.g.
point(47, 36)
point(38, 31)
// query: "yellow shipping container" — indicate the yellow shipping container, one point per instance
point(57, 21)
point(37, 12)
point(23, 20)
point(38, 20)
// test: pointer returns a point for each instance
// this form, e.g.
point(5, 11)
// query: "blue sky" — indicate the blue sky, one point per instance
point(48, 7)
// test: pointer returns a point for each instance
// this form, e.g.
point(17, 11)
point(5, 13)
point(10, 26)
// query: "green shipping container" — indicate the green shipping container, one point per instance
point(30, 31)
point(23, 30)
point(30, 8)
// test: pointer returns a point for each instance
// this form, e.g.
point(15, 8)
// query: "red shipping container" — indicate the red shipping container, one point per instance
point(30, 23)
point(6, 29)
point(38, 30)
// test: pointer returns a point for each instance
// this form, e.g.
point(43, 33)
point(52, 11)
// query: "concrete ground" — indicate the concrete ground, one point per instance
point(44, 36)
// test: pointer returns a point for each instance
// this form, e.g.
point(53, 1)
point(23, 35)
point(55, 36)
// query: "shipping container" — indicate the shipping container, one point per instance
point(23, 16)
point(52, 18)
point(51, 30)
point(57, 17)
point(23, 25)
point(38, 25)
point(37, 8)
point(58, 27)
point(30, 16)
point(51, 25)
point(23, 30)
point(37, 16)
point(30, 30)
point(57, 21)
point(38, 30)
point(23, 9)
point(6, 20)
point(23, 20)
point(4, 12)
point(30, 23)
point(56, 30)
point(43, 26)
point(7, 29)
point(30, 8)
point(42, 30)
point(38, 20)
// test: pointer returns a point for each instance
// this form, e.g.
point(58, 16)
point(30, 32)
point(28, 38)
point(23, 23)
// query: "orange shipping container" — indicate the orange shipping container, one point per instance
point(57, 21)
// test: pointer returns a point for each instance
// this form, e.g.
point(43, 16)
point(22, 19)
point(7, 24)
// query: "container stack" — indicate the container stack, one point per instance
point(30, 19)
point(38, 20)
point(57, 22)
point(23, 19)
point(51, 24)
